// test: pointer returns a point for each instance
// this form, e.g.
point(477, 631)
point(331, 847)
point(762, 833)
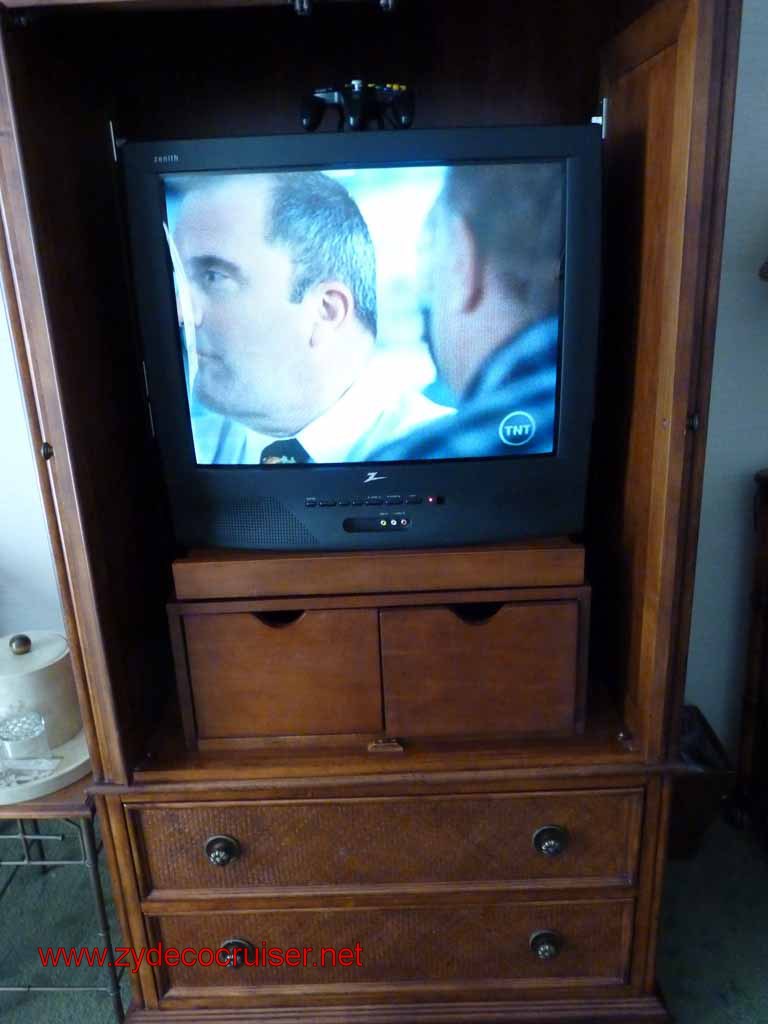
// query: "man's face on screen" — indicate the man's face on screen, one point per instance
point(442, 286)
point(253, 343)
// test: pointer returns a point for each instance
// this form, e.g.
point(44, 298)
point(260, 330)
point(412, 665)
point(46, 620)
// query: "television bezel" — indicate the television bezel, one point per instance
point(476, 500)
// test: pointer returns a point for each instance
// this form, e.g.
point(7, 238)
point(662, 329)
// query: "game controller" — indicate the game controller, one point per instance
point(358, 103)
point(304, 7)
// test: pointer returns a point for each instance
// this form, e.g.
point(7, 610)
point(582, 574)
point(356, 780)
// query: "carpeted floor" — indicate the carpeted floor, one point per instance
point(713, 955)
point(54, 908)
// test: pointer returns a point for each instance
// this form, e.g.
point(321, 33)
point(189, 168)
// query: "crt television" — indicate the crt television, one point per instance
point(369, 340)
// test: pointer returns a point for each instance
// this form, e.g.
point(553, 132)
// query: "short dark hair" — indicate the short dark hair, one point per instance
point(320, 224)
point(515, 214)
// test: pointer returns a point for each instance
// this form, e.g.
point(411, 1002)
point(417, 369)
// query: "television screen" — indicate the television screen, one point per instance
point(369, 314)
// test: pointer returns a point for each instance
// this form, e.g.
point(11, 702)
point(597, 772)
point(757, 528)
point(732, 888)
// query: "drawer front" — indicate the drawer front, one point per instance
point(394, 841)
point(411, 945)
point(308, 673)
point(453, 672)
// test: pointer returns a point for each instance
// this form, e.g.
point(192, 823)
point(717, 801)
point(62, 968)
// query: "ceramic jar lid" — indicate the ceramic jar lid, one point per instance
point(45, 649)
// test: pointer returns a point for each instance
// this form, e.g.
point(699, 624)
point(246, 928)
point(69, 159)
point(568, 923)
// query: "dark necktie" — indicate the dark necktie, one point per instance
point(284, 453)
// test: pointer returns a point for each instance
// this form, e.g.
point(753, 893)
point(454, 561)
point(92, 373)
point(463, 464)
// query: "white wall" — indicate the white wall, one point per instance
point(28, 593)
point(737, 444)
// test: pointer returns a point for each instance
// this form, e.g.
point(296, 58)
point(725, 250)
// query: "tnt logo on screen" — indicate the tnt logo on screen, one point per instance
point(517, 429)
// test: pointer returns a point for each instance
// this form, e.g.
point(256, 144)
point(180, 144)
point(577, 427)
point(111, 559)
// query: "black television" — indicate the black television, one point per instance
point(369, 340)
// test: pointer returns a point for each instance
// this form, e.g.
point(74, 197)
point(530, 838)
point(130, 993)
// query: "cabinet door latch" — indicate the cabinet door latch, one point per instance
point(602, 117)
point(386, 746)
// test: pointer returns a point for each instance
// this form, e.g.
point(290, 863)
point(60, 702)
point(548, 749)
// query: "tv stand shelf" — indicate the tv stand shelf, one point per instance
point(601, 750)
point(216, 574)
point(384, 647)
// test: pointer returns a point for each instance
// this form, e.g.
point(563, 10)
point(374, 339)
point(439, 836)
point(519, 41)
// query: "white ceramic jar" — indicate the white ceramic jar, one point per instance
point(39, 678)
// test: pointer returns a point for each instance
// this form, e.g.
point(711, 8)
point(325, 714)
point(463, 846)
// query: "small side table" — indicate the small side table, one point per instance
point(75, 807)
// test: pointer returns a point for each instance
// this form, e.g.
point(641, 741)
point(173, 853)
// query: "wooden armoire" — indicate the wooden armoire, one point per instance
point(492, 876)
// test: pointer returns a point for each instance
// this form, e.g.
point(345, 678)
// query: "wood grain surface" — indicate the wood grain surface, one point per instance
point(670, 81)
point(514, 672)
point(354, 844)
point(315, 674)
point(427, 946)
point(207, 575)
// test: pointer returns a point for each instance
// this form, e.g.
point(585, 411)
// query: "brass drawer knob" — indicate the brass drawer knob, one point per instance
point(551, 840)
point(237, 950)
point(546, 945)
point(222, 850)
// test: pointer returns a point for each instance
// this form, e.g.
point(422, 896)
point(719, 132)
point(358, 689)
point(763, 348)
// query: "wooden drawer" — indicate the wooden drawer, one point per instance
point(443, 945)
point(253, 673)
point(282, 674)
point(479, 670)
point(391, 841)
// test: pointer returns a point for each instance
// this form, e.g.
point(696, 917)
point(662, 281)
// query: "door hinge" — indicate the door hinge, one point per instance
point(113, 140)
point(602, 117)
point(693, 423)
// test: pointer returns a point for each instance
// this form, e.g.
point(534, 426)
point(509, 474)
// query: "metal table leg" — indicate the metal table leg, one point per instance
point(92, 862)
point(34, 831)
point(83, 824)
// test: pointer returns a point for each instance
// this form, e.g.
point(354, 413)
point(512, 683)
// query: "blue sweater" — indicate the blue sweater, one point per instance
point(508, 409)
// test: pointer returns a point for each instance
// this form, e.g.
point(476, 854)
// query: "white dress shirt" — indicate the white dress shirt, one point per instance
point(381, 406)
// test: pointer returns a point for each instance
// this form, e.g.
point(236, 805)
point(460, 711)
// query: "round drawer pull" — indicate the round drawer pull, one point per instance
point(546, 945)
point(551, 840)
point(222, 850)
point(237, 950)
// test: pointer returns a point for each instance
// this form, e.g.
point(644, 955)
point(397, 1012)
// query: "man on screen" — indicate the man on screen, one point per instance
point(492, 253)
point(281, 274)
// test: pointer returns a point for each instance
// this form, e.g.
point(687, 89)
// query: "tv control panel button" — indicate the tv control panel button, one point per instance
point(385, 523)
point(376, 500)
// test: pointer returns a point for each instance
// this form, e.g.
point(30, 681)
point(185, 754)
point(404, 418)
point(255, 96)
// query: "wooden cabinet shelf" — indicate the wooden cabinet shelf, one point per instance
point(599, 750)
point(463, 663)
point(214, 575)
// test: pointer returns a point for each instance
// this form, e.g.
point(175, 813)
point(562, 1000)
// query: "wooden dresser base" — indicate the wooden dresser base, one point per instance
point(587, 1011)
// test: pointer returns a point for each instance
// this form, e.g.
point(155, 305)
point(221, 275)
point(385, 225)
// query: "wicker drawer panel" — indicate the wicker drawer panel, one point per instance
point(391, 841)
point(426, 944)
